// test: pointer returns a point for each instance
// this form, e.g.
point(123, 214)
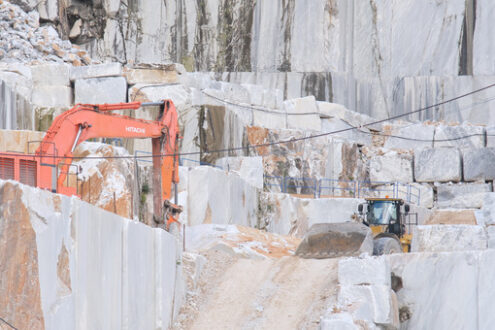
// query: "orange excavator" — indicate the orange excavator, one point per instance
point(49, 166)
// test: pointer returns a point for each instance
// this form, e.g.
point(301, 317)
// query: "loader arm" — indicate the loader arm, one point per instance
point(86, 121)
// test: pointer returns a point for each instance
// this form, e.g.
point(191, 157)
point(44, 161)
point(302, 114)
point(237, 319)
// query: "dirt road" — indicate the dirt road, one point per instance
point(285, 293)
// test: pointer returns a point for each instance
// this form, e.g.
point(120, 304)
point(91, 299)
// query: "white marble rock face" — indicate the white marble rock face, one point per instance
point(444, 238)
point(433, 283)
point(225, 198)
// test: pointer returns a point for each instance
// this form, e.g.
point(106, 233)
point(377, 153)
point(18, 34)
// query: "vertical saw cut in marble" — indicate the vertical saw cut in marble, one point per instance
point(437, 165)
point(384, 35)
point(15, 110)
point(100, 90)
point(478, 164)
point(483, 51)
point(467, 195)
point(420, 92)
point(443, 238)
point(17, 77)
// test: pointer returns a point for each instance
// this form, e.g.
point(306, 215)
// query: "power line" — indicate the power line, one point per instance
point(10, 325)
point(262, 109)
point(268, 144)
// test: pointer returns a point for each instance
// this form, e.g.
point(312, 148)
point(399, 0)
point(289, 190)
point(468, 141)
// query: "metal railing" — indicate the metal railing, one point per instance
point(325, 187)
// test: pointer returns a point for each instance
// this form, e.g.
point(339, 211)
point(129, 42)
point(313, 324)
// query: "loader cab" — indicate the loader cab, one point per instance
point(383, 215)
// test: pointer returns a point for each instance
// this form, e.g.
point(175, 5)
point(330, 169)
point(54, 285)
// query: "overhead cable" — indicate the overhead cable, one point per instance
point(268, 144)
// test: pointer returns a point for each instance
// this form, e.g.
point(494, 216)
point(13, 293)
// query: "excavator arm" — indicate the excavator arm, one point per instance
point(86, 121)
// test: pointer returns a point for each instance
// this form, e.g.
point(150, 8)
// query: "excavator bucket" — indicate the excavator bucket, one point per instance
point(332, 240)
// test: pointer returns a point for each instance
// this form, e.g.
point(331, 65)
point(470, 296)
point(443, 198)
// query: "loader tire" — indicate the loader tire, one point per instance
point(386, 245)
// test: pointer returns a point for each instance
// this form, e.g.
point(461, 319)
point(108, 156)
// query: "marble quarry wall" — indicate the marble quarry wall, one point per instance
point(78, 266)
point(362, 54)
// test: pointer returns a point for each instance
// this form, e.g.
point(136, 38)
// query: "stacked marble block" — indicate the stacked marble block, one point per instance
point(455, 160)
point(61, 85)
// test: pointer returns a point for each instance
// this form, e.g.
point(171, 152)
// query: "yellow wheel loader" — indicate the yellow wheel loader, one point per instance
point(386, 218)
point(382, 227)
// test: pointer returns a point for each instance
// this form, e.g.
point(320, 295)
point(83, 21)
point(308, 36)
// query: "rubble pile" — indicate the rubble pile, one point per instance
point(23, 40)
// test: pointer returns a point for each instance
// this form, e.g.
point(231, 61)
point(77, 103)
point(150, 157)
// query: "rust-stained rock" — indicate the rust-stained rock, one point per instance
point(151, 76)
point(452, 217)
point(106, 183)
point(20, 301)
point(13, 140)
point(63, 272)
point(258, 135)
point(305, 160)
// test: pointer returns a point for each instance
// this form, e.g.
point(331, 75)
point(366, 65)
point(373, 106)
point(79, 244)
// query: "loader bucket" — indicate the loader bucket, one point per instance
point(332, 240)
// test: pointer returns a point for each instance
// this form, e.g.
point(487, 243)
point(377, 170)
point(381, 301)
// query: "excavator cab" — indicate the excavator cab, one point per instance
point(386, 219)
